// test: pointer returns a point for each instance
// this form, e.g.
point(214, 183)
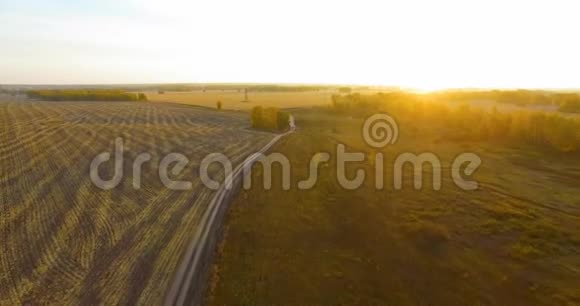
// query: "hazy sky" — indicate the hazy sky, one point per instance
point(421, 44)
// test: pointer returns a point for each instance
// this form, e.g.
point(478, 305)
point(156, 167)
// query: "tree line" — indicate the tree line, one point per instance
point(538, 128)
point(85, 95)
point(565, 101)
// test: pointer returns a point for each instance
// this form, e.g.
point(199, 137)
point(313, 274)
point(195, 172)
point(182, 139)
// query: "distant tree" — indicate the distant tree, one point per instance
point(141, 97)
point(270, 118)
point(257, 117)
point(219, 105)
point(283, 120)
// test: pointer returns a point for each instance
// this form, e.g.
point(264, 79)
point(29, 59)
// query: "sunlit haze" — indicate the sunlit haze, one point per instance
point(418, 44)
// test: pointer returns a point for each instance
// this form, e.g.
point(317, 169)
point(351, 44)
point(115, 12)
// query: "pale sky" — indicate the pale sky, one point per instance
point(419, 44)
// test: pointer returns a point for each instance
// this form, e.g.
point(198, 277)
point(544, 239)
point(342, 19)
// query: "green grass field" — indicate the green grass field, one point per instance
point(514, 241)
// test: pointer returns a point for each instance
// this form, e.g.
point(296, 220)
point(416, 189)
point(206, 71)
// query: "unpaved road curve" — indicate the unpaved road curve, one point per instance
point(192, 274)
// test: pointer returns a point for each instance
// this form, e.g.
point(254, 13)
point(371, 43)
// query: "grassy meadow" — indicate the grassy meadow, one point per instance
point(514, 241)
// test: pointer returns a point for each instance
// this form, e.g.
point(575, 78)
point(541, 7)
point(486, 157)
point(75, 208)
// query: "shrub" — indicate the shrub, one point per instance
point(282, 120)
point(270, 118)
point(219, 105)
point(257, 117)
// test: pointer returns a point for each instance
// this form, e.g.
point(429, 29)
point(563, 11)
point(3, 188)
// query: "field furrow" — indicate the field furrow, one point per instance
point(67, 241)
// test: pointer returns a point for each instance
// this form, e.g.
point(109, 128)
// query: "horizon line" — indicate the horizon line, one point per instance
point(298, 84)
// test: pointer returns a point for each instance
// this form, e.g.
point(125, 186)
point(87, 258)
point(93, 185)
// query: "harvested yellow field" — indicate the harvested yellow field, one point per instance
point(234, 99)
point(66, 241)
